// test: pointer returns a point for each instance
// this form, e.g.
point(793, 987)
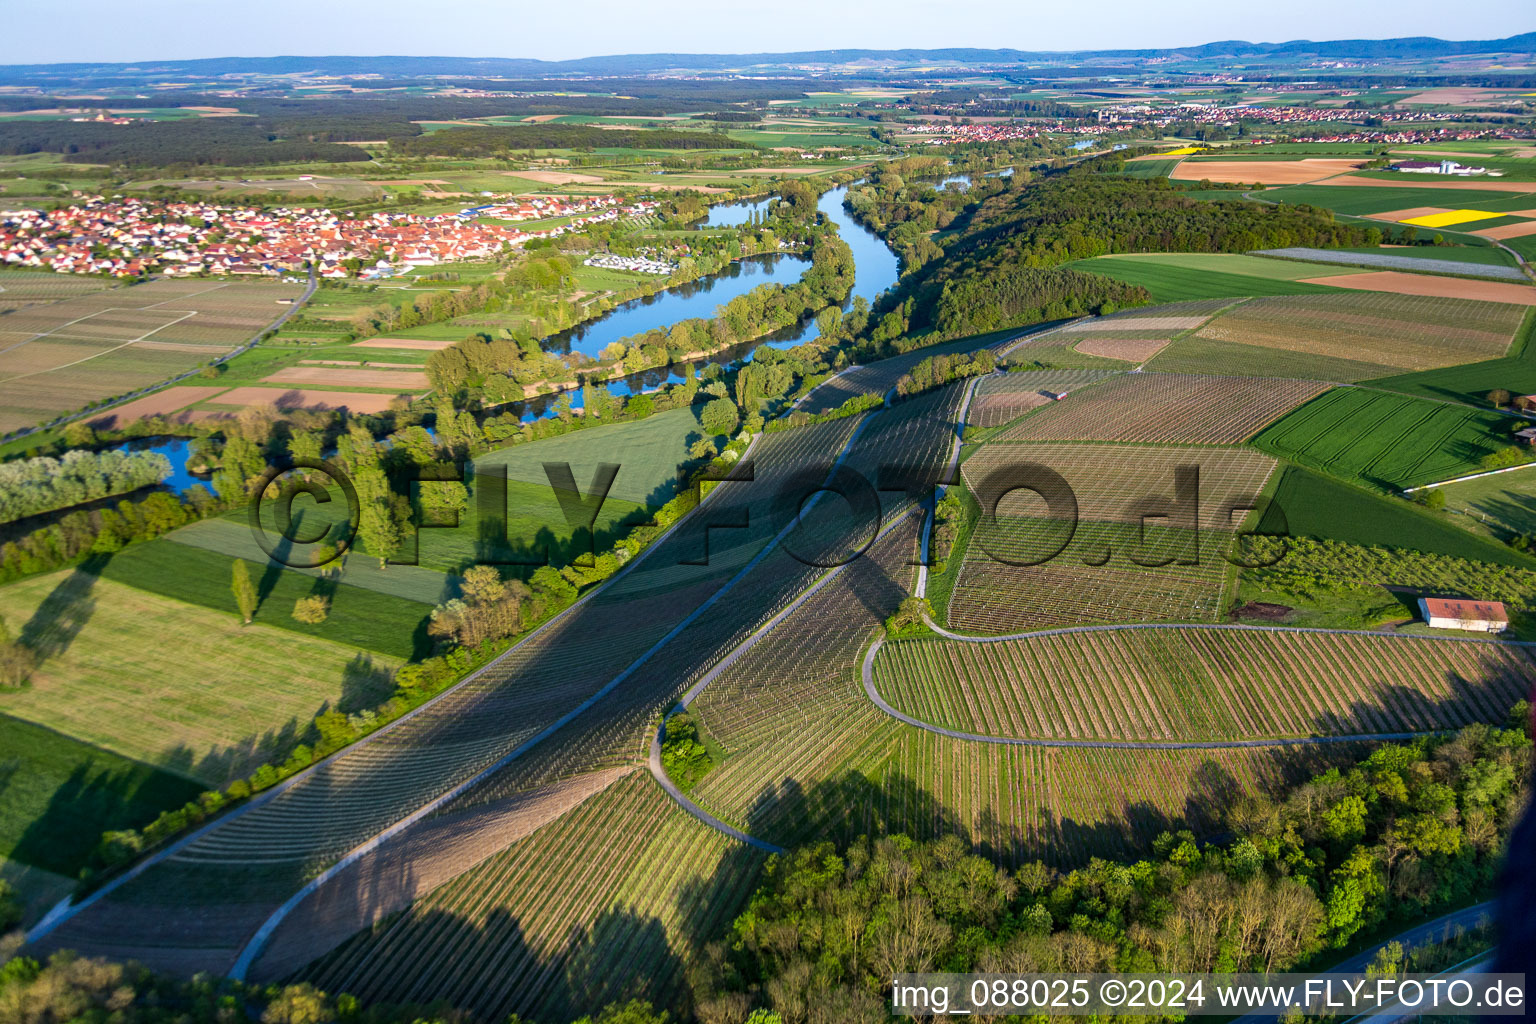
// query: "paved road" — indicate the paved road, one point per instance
point(1015, 741)
point(309, 291)
point(1419, 935)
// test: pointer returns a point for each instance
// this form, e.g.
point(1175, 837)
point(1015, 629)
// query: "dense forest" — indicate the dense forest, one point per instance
point(1005, 247)
point(224, 142)
point(1408, 830)
point(496, 140)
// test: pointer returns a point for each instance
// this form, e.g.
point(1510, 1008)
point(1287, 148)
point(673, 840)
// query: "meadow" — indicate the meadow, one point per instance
point(61, 794)
point(363, 619)
point(113, 672)
point(1387, 441)
point(1503, 505)
point(1310, 504)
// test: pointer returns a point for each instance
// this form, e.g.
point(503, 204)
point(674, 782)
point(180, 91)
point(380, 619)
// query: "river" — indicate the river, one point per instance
point(875, 270)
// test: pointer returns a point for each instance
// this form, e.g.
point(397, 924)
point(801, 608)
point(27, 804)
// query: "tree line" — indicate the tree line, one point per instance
point(32, 486)
point(499, 139)
point(1406, 831)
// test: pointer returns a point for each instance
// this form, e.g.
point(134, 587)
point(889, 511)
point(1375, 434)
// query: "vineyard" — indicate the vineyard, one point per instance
point(1405, 332)
point(1165, 407)
point(1392, 261)
point(626, 880)
point(1202, 684)
point(1002, 398)
point(811, 757)
point(1388, 441)
point(1130, 350)
point(1110, 482)
point(95, 344)
point(1094, 580)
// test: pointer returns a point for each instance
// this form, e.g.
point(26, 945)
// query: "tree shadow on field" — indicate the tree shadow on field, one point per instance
point(66, 610)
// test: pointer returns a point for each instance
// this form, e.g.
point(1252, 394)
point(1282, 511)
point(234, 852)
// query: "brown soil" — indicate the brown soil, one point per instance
point(1399, 283)
point(1121, 348)
point(1270, 172)
point(1263, 610)
point(425, 344)
point(1509, 230)
point(299, 398)
point(162, 403)
point(1408, 214)
point(414, 380)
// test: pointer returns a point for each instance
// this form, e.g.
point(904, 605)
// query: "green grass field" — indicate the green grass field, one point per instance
point(359, 618)
point(1179, 277)
point(1501, 505)
point(1386, 441)
point(61, 794)
point(117, 670)
point(1319, 506)
point(1360, 200)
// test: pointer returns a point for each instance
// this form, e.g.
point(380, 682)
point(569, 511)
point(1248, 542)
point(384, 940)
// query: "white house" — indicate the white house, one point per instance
point(1457, 613)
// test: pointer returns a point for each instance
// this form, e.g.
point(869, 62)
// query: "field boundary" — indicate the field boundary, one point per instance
point(66, 909)
point(1472, 476)
point(873, 693)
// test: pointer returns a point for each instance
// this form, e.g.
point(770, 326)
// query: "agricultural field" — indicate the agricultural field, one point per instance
point(1367, 198)
point(1310, 504)
point(367, 620)
point(1107, 573)
point(113, 672)
point(529, 930)
point(59, 356)
point(61, 794)
point(1466, 261)
point(1167, 408)
point(1181, 277)
point(1388, 441)
point(1000, 399)
point(1345, 337)
point(1219, 167)
point(1503, 506)
point(1136, 551)
point(1200, 684)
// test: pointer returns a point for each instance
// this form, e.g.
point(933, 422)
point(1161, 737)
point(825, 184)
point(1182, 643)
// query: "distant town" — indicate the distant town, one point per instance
point(132, 237)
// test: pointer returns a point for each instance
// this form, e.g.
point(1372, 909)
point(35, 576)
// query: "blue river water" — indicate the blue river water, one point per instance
point(875, 270)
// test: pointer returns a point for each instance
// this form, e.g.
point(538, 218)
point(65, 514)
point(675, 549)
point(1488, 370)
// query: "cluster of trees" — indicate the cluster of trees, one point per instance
point(31, 486)
point(221, 141)
point(852, 407)
point(684, 754)
point(1314, 569)
point(487, 608)
point(72, 988)
point(100, 531)
point(1002, 264)
point(941, 369)
point(499, 139)
point(1407, 830)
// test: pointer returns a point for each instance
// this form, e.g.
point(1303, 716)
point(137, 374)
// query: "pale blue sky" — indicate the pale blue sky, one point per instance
point(43, 31)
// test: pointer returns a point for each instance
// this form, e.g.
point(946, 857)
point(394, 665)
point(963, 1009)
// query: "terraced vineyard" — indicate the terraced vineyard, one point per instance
point(626, 877)
point(1166, 407)
point(1400, 332)
point(1001, 398)
point(1201, 684)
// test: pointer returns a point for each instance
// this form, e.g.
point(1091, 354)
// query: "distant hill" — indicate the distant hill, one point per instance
point(648, 63)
